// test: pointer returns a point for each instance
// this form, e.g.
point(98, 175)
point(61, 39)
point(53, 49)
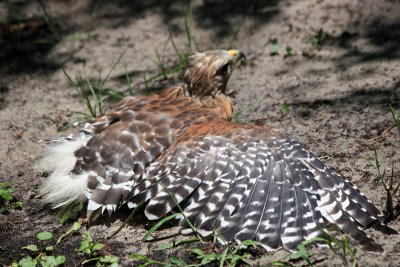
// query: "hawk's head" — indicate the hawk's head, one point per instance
point(209, 72)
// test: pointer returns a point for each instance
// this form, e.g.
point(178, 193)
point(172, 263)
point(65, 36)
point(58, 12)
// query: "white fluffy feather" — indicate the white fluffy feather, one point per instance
point(62, 187)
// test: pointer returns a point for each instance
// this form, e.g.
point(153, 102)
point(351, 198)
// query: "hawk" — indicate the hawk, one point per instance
point(178, 146)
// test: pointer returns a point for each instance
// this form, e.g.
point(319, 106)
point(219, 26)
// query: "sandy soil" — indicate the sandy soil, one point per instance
point(337, 93)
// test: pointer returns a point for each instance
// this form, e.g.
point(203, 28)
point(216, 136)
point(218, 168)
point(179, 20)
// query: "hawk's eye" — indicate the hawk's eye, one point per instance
point(224, 69)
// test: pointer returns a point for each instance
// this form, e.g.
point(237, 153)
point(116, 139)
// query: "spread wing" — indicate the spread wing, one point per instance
point(126, 141)
point(248, 182)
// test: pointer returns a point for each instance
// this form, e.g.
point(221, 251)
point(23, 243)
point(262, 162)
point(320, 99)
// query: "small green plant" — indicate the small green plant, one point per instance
point(70, 212)
point(182, 56)
point(130, 88)
point(285, 108)
point(341, 246)
point(93, 94)
point(395, 117)
point(318, 38)
point(48, 20)
point(92, 249)
point(77, 36)
point(334, 244)
point(248, 106)
point(300, 253)
point(7, 199)
point(96, 8)
point(174, 244)
point(229, 257)
point(160, 62)
point(41, 253)
point(391, 188)
point(146, 261)
point(75, 227)
point(274, 49)
point(164, 71)
point(288, 51)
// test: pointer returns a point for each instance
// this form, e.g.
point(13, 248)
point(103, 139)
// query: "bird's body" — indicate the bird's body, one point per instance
point(178, 146)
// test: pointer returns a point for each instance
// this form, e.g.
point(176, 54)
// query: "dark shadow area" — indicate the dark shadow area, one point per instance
point(27, 39)
point(378, 97)
point(386, 40)
point(376, 42)
point(356, 100)
point(3, 91)
point(212, 14)
point(383, 37)
point(24, 45)
point(15, 233)
point(217, 15)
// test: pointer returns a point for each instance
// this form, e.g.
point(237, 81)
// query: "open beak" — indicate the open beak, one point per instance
point(237, 56)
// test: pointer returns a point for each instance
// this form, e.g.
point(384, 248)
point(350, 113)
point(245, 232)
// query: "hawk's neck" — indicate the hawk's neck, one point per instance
point(220, 103)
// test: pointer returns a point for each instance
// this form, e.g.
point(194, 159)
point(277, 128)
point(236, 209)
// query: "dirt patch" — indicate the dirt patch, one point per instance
point(330, 91)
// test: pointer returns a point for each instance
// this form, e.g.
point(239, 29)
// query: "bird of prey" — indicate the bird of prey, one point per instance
point(178, 147)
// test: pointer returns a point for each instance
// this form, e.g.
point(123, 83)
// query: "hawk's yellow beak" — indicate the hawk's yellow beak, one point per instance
point(237, 55)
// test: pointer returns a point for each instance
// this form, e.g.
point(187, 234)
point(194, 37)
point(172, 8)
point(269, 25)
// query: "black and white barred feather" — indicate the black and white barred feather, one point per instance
point(254, 184)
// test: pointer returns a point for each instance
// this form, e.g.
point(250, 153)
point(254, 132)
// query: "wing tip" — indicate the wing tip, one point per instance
point(384, 228)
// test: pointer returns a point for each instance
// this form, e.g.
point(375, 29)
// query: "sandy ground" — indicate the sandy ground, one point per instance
point(337, 93)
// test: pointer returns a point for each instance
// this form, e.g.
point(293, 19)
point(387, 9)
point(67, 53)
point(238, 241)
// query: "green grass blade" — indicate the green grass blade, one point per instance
point(97, 101)
point(188, 25)
point(186, 241)
point(171, 38)
point(112, 68)
point(129, 81)
point(223, 257)
point(158, 225)
point(395, 118)
point(181, 211)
